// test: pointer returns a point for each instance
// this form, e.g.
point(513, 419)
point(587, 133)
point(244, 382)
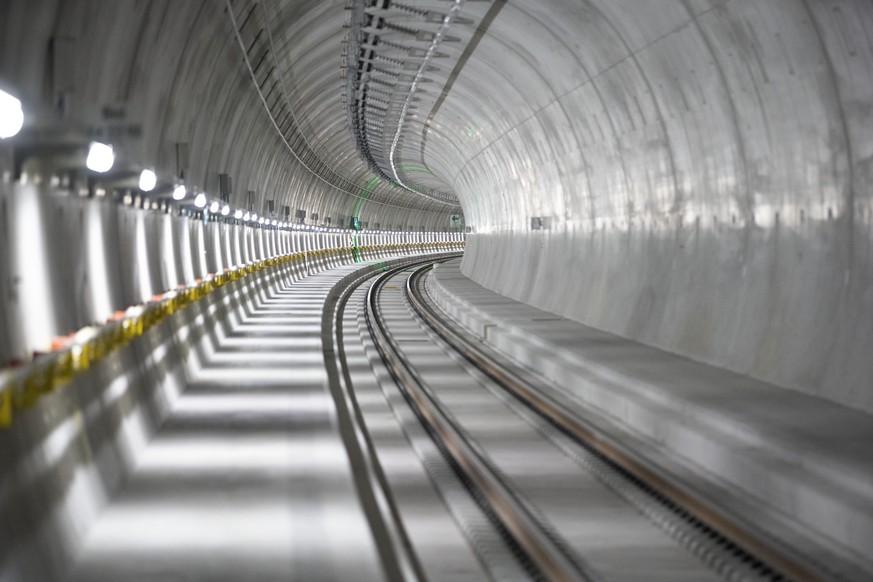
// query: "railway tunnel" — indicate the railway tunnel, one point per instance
point(436, 290)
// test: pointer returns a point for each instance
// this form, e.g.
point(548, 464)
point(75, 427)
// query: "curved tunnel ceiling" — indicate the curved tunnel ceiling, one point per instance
point(579, 111)
point(600, 108)
point(693, 174)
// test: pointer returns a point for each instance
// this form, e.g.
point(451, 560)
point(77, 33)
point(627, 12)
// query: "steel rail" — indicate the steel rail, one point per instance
point(753, 544)
point(399, 562)
point(541, 553)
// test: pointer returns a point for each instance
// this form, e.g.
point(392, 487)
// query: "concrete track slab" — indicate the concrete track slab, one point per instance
point(805, 457)
point(248, 478)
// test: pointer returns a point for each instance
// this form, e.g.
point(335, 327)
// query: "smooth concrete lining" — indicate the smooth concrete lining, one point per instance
point(147, 76)
point(69, 261)
point(694, 175)
point(698, 172)
point(702, 171)
point(804, 456)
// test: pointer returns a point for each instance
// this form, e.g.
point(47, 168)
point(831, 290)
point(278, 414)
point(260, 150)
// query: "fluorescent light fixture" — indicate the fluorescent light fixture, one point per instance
point(180, 192)
point(11, 115)
point(100, 157)
point(225, 210)
point(214, 207)
point(147, 181)
point(238, 214)
point(200, 200)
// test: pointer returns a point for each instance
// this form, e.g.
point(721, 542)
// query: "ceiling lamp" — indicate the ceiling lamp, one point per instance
point(11, 115)
point(147, 181)
point(100, 157)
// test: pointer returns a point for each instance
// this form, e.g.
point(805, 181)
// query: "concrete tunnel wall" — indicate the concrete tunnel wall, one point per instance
point(149, 75)
point(704, 171)
point(701, 168)
point(72, 261)
point(145, 76)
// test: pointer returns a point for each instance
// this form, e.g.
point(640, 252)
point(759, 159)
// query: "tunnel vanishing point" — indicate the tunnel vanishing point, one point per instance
point(436, 290)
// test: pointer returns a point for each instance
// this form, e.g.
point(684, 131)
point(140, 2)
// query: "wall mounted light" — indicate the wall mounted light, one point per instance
point(225, 210)
point(214, 207)
point(100, 157)
point(11, 115)
point(200, 200)
point(147, 181)
point(238, 214)
point(180, 192)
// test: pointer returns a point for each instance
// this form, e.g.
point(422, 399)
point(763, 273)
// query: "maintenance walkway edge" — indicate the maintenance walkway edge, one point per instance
point(800, 457)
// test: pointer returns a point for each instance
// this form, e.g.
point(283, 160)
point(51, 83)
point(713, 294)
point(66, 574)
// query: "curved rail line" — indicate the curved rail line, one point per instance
point(768, 557)
point(539, 551)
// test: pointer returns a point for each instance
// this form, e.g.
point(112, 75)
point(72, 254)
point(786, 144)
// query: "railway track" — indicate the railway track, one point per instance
point(566, 500)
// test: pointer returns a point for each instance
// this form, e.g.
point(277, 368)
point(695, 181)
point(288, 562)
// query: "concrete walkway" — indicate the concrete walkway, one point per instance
point(807, 459)
point(248, 478)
